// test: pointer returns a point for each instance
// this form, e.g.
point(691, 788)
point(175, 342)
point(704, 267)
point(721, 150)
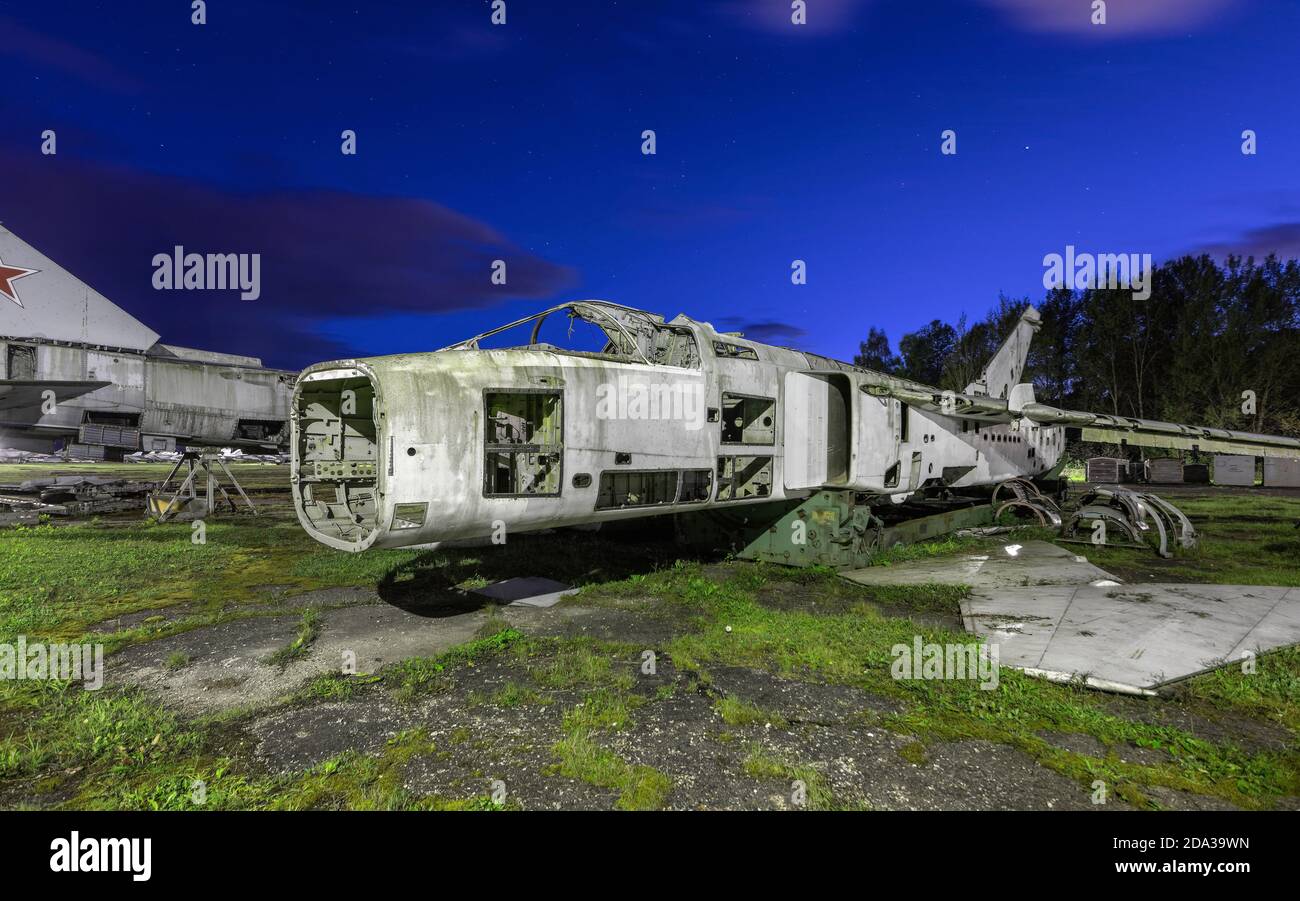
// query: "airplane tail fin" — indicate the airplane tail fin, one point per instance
point(1007, 367)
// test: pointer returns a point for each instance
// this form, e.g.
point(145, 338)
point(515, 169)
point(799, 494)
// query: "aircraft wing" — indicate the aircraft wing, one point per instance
point(1101, 427)
point(1153, 433)
point(19, 394)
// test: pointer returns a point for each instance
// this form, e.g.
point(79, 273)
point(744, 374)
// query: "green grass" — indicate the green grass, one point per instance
point(1271, 694)
point(348, 781)
point(736, 712)
point(763, 764)
point(581, 663)
point(308, 629)
point(424, 675)
point(638, 787)
point(64, 726)
point(118, 749)
point(57, 582)
point(603, 709)
point(512, 694)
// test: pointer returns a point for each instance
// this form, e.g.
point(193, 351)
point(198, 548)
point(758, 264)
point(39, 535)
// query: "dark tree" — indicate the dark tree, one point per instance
point(925, 350)
point(1215, 344)
point(874, 353)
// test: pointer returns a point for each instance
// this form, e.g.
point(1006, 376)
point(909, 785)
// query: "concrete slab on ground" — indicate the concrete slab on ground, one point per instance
point(1012, 565)
point(216, 668)
point(1132, 638)
point(526, 591)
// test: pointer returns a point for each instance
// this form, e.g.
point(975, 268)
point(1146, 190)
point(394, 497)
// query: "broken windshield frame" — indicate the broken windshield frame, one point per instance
point(631, 334)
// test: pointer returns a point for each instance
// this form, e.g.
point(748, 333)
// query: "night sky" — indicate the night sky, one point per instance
point(775, 142)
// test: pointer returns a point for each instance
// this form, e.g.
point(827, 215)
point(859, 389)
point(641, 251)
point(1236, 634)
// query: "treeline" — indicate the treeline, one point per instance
point(1207, 334)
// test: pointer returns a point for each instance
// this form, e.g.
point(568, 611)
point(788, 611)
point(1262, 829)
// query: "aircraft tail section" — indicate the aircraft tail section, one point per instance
point(1007, 367)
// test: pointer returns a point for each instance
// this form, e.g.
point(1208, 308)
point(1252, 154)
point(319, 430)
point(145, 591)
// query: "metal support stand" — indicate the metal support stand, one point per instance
point(185, 503)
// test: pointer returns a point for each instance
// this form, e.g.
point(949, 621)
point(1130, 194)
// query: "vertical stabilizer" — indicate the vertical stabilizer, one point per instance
point(41, 299)
point(1007, 367)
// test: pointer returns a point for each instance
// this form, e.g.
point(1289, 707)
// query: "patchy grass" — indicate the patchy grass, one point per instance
point(308, 629)
point(57, 582)
point(603, 709)
point(117, 749)
point(1272, 693)
point(63, 726)
point(762, 764)
point(512, 694)
point(419, 675)
point(581, 663)
point(854, 648)
point(349, 781)
point(638, 787)
point(736, 712)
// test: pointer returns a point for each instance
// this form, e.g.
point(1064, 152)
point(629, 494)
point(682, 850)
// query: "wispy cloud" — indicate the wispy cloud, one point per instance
point(774, 16)
point(324, 254)
point(1282, 239)
point(50, 53)
point(1124, 18)
point(768, 331)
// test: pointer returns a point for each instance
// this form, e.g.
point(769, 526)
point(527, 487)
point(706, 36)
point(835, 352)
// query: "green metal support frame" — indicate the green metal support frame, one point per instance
point(830, 528)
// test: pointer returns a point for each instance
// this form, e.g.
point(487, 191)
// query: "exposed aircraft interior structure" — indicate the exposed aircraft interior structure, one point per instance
point(666, 417)
point(80, 374)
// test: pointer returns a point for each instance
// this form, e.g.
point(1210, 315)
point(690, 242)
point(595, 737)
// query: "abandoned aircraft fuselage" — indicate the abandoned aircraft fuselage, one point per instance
point(671, 417)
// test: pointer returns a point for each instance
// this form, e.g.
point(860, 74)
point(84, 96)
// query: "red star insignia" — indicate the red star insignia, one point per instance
point(9, 275)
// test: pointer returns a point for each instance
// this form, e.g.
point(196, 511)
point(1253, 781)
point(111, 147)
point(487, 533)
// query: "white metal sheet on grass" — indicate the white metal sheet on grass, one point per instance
point(1132, 638)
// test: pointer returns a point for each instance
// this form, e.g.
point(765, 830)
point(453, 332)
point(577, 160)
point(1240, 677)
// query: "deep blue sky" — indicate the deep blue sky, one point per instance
point(522, 141)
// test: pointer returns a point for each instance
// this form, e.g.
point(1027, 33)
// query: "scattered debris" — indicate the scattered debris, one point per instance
point(229, 454)
point(11, 455)
point(70, 495)
point(1027, 496)
point(67, 455)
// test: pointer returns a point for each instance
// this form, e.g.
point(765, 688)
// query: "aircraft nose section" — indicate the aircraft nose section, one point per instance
point(336, 456)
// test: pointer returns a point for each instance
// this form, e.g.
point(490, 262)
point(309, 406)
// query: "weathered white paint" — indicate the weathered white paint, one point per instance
point(430, 434)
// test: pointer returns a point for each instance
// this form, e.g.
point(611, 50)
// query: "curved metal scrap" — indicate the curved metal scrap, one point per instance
point(1026, 490)
point(1046, 517)
point(1075, 527)
point(1137, 515)
point(1181, 525)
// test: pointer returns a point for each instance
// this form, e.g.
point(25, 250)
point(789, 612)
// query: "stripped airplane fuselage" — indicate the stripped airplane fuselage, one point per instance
point(672, 417)
point(460, 443)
